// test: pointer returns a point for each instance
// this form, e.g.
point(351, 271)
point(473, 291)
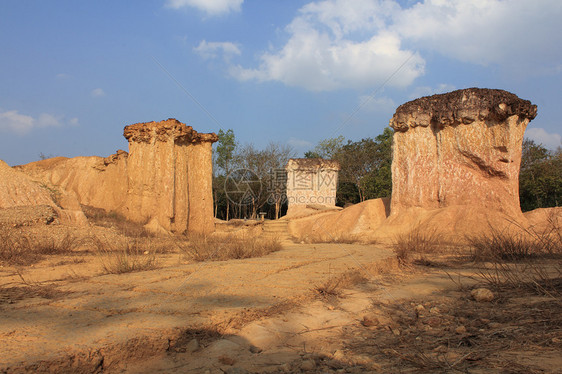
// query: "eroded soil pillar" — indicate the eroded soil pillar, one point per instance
point(459, 148)
point(169, 175)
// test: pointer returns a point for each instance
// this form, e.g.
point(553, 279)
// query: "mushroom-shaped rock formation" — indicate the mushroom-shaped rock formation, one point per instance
point(459, 148)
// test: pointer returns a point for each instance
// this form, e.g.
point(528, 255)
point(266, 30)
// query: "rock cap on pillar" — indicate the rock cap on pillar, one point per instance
point(461, 106)
point(164, 130)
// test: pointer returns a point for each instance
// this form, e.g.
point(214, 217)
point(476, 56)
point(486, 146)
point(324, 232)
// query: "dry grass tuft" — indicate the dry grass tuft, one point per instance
point(517, 245)
point(209, 248)
point(19, 248)
point(333, 286)
point(517, 260)
point(116, 221)
point(125, 256)
point(414, 245)
point(501, 246)
point(538, 278)
point(317, 238)
point(29, 289)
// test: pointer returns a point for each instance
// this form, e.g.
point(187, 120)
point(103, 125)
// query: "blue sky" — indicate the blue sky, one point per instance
point(74, 73)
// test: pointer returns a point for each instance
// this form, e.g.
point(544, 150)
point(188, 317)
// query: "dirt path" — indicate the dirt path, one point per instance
point(69, 318)
point(416, 321)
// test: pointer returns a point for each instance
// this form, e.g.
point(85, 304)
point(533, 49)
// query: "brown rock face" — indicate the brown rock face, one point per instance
point(169, 176)
point(95, 181)
point(25, 201)
point(459, 148)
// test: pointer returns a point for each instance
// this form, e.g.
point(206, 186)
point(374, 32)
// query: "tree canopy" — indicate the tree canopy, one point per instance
point(540, 179)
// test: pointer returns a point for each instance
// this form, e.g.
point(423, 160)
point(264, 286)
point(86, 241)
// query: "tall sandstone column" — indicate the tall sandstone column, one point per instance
point(459, 148)
point(169, 173)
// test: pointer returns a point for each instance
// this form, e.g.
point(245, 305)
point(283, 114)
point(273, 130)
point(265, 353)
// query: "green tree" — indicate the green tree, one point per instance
point(365, 166)
point(378, 183)
point(225, 150)
point(224, 157)
point(327, 148)
point(540, 178)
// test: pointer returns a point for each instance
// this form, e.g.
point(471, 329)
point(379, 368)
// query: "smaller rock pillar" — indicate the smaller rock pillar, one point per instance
point(169, 173)
point(311, 181)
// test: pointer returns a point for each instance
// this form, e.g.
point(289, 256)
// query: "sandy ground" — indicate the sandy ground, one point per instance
point(419, 320)
point(68, 316)
point(310, 308)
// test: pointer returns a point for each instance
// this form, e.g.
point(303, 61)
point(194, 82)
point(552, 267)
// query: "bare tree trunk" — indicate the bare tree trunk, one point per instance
point(216, 205)
point(361, 195)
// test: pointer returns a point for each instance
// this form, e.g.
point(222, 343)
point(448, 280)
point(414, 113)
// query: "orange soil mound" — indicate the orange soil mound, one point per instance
point(19, 190)
point(354, 222)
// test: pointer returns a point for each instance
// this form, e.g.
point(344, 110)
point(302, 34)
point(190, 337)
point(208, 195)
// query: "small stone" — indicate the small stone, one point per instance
point(226, 360)
point(236, 370)
point(494, 325)
point(396, 332)
point(420, 310)
point(460, 329)
point(482, 294)
point(335, 364)
point(433, 321)
point(440, 349)
point(434, 310)
point(366, 361)
point(452, 356)
point(370, 320)
point(339, 355)
point(192, 346)
point(307, 365)
point(255, 349)
point(286, 367)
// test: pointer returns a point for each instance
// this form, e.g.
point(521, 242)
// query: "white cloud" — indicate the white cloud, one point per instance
point(512, 33)
point(62, 76)
point(335, 44)
point(21, 124)
point(48, 120)
point(324, 53)
point(211, 7)
point(14, 122)
point(98, 92)
point(211, 50)
point(539, 135)
point(376, 104)
point(421, 91)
